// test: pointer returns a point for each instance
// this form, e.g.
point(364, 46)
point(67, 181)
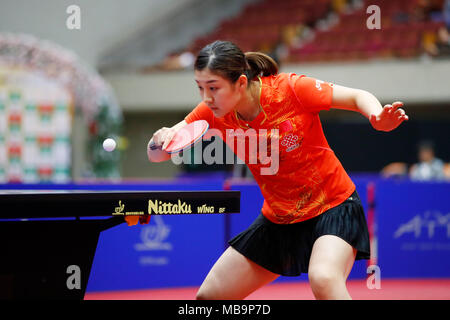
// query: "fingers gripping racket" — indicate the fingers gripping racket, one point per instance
point(182, 140)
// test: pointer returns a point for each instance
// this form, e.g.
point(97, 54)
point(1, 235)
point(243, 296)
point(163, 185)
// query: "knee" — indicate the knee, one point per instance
point(324, 281)
point(201, 295)
point(207, 295)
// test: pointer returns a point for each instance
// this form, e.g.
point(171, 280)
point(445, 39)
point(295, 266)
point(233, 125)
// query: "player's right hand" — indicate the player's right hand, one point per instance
point(161, 140)
point(163, 136)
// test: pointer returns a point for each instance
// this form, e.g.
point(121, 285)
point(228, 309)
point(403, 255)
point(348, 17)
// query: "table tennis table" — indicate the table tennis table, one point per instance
point(48, 237)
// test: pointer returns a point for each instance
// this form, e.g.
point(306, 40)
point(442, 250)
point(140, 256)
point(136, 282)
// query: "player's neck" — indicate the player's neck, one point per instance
point(250, 107)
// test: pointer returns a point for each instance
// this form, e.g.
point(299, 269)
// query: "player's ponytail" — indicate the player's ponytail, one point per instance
point(260, 64)
point(228, 60)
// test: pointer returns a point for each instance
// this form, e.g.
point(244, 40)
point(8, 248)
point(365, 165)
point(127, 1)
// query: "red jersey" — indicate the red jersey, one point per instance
point(310, 179)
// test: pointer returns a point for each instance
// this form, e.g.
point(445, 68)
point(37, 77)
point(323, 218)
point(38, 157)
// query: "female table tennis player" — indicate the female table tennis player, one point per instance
point(312, 220)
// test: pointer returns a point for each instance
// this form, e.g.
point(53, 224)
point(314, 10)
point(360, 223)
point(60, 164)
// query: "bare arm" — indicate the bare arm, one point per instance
point(385, 118)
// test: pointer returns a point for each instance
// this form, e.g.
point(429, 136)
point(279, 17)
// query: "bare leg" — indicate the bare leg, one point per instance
point(330, 264)
point(233, 277)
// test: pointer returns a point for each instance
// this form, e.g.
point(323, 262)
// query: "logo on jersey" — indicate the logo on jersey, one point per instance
point(291, 142)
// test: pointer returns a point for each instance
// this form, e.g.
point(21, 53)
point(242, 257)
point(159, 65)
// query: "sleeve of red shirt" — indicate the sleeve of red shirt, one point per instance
point(312, 94)
point(201, 112)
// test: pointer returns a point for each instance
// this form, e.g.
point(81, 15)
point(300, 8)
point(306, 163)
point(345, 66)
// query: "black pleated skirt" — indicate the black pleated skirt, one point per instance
point(285, 249)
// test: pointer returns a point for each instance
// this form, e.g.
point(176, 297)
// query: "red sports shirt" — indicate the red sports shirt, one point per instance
point(310, 179)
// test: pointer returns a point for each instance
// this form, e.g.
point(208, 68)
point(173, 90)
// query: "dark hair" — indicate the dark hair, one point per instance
point(426, 145)
point(227, 59)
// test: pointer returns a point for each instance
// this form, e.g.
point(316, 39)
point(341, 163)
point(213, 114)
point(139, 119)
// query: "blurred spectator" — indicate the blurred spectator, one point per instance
point(179, 61)
point(429, 43)
point(280, 52)
point(173, 62)
point(420, 11)
point(447, 171)
point(429, 10)
point(443, 41)
point(429, 167)
point(292, 36)
point(296, 35)
point(339, 6)
point(395, 169)
point(437, 43)
point(443, 36)
point(446, 13)
point(435, 9)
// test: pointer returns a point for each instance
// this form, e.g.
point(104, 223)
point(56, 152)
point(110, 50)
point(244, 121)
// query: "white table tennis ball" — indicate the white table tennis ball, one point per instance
point(109, 144)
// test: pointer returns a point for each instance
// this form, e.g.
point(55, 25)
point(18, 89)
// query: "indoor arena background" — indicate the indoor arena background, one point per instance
point(89, 70)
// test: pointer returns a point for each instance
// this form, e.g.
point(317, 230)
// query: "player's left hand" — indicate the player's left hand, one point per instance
point(389, 118)
point(133, 220)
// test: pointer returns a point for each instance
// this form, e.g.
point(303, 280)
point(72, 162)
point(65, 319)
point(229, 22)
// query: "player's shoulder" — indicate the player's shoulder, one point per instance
point(282, 79)
point(276, 88)
point(276, 78)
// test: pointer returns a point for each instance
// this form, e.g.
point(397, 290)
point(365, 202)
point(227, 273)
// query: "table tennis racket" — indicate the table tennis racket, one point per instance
point(183, 139)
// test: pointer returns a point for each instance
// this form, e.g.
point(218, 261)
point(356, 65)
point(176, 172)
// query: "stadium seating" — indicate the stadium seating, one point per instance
point(406, 29)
